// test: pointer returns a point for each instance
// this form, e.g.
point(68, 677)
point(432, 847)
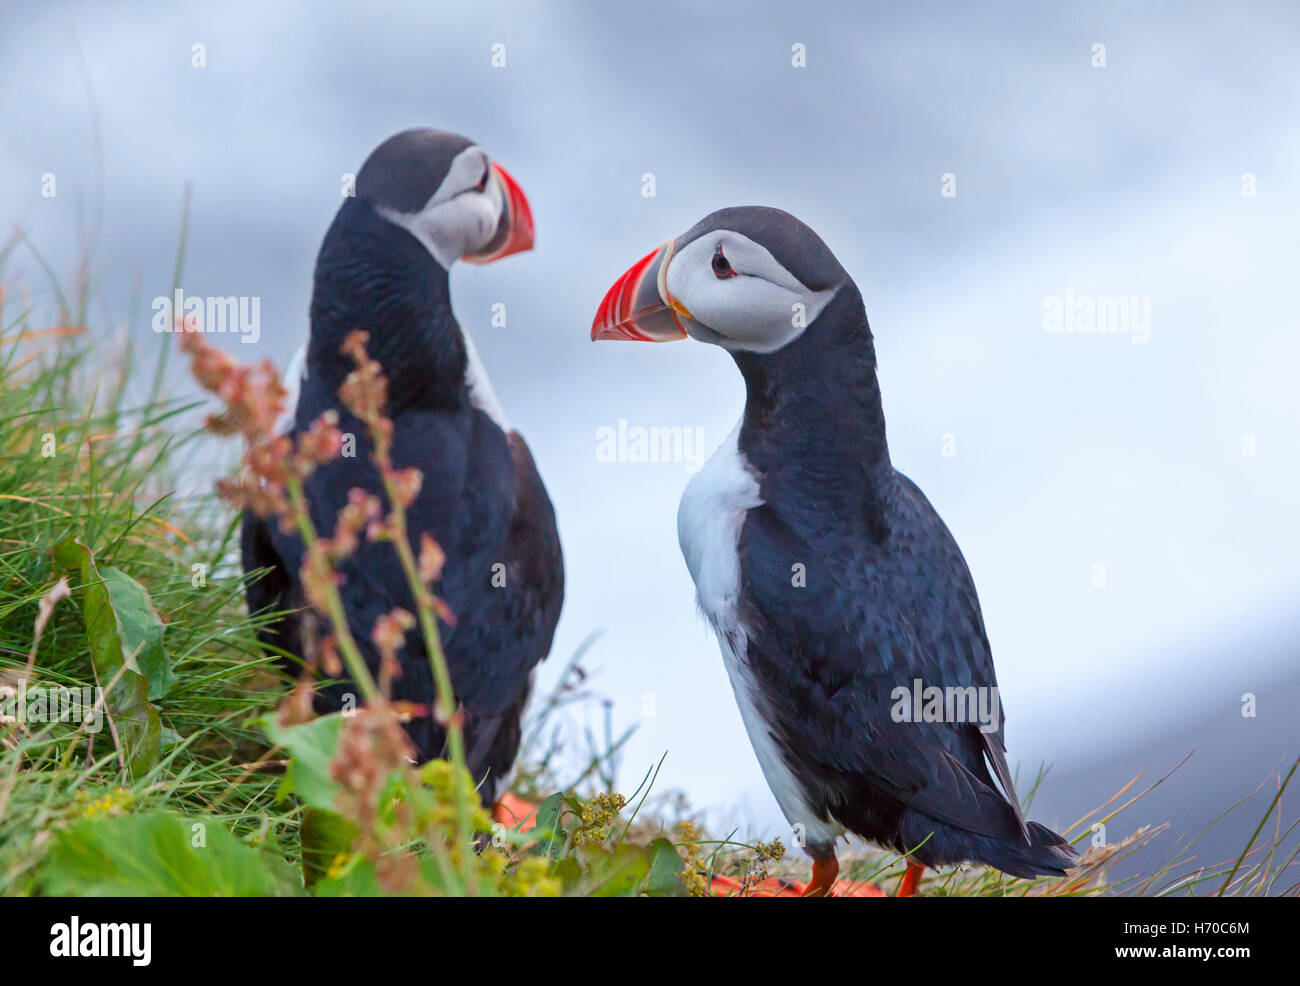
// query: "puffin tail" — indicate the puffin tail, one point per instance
point(1046, 854)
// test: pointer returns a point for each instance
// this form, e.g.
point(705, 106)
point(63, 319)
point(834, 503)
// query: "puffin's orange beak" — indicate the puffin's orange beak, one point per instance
point(638, 306)
point(515, 231)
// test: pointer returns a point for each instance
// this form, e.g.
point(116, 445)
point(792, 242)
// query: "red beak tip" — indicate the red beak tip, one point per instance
point(521, 235)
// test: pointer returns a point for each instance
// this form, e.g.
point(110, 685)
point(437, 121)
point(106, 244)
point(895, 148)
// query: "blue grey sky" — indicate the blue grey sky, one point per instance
point(1170, 462)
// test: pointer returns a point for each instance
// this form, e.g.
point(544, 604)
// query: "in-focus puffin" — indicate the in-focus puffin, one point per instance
point(831, 582)
point(425, 198)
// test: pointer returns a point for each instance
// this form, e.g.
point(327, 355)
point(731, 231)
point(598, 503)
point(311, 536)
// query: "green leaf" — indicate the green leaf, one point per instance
point(325, 835)
point(551, 836)
point(569, 873)
point(141, 631)
point(117, 641)
point(665, 879)
point(169, 738)
point(312, 746)
point(159, 855)
point(357, 879)
point(615, 874)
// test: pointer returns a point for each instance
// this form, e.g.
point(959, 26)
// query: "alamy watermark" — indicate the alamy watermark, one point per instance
point(1098, 315)
point(99, 940)
point(655, 444)
point(196, 313)
point(954, 703)
point(52, 703)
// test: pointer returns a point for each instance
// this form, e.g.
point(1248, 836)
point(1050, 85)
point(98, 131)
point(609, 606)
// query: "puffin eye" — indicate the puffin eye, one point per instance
point(721, 265)
point(482, 182)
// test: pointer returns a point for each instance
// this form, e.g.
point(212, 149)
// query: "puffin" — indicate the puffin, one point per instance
point(424, 199)
point(835, 590)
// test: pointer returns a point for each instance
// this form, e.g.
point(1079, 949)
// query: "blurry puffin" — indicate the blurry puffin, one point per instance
point(423, 199)
point(804, 485)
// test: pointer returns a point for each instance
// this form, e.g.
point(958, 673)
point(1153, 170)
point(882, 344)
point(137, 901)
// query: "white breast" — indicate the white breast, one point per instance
point(708, 526)
point(481, 394)
point(709, 520)
point(293, 377)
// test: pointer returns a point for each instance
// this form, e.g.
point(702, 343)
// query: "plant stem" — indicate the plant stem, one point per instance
point(445, 708)
point(351, 654)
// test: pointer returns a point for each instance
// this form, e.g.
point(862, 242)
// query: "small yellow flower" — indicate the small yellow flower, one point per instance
point(116, 802)
point(531, 878)
point(595, 817)
point(688, 847)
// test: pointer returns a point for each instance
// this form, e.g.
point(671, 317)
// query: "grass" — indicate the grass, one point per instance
point(226, 796)
point(77, 461)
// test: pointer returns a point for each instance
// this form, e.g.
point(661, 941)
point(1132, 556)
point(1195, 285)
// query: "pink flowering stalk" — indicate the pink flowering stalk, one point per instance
point(271, 484)
point(365, 393)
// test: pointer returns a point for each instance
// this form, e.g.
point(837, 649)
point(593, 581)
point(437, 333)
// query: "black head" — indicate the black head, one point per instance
point(762, 285)
point(747, 278)
point(792, 243)
point(407, 170)
point(447, 193)
point(424, 199)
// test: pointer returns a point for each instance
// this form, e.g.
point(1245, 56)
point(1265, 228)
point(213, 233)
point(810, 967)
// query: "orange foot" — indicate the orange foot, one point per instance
point(513, 811)
point(823, 878)
point(911, 880)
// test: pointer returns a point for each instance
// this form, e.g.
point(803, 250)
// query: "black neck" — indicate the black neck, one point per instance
point(374, 275)
point(814, 427)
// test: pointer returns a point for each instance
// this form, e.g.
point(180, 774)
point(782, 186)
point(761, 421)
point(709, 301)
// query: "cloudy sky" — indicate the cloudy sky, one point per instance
point(1127, 502)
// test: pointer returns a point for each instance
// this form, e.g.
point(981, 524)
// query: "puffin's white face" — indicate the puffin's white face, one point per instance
point(478, 213)
point(737, 295)
point(714, 285)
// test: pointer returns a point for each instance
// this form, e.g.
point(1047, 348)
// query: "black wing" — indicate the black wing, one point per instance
point(874, 616)
point(270, 589)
